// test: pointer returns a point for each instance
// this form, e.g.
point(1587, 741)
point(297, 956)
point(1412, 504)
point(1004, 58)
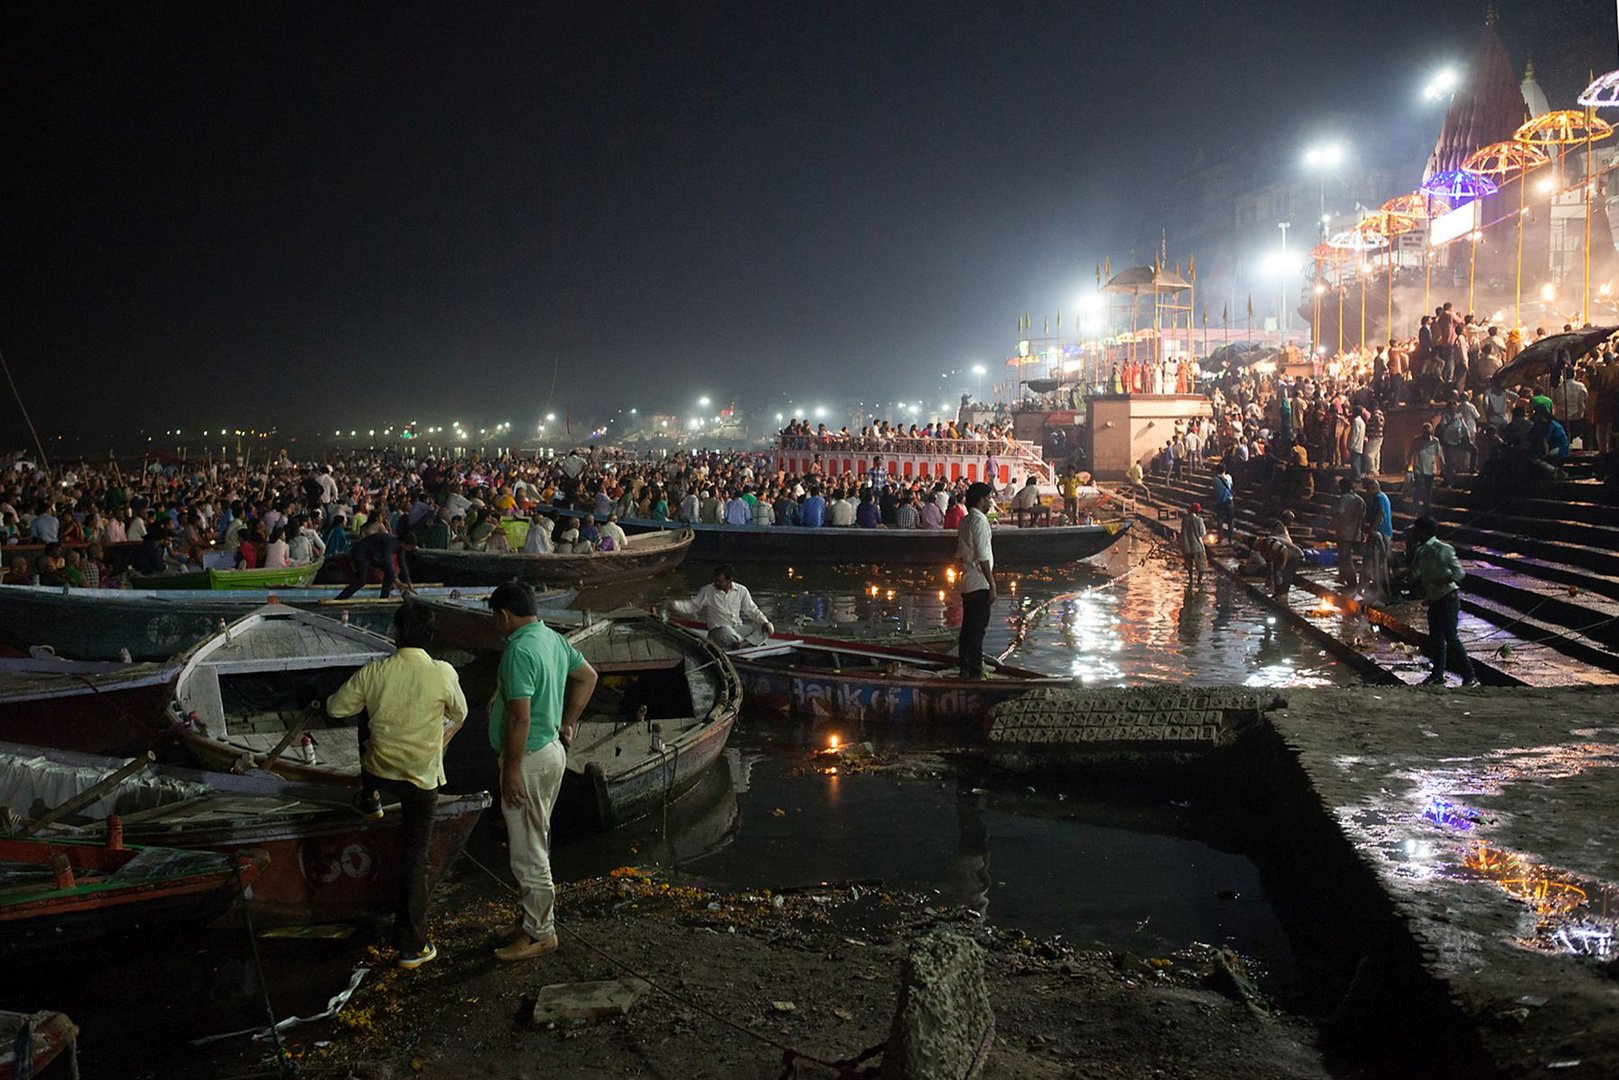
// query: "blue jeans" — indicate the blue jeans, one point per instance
point(1444, 640)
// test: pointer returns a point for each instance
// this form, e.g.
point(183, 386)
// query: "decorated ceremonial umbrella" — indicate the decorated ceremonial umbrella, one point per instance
point(1458, 187)
point(1602, 93)
point(1422, 205)
point(1386, 224)
point(1354, 240)
point(1558, 130)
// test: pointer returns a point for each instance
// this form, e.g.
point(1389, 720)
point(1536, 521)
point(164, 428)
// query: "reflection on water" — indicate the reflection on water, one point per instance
point(1124, 618)
point(781, 821)
point(1566, 912)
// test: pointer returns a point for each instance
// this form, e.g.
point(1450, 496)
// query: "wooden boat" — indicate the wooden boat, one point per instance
point(884, 632)
point(279, 577)
point(643, 557)
point(327, 863)
point(96, 706)
point(155, 624)
point(56, 891)
point(827, 681)
point(662, 711)
point(796, 545)
point(49, 1035)
point(241, 690)
point(466, 622)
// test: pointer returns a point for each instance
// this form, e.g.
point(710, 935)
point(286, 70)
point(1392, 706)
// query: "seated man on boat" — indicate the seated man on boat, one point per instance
point(726, 607)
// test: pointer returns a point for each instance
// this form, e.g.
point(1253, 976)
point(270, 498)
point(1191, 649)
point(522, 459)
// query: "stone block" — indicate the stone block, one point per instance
point(943, 1020)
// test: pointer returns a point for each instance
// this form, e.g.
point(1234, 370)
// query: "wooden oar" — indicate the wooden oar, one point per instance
point(313, 710)
point(90, 794)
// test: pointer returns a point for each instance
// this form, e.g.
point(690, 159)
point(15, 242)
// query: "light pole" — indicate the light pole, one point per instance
point(1281, 308)
point(1323, 158)
point(980, 371)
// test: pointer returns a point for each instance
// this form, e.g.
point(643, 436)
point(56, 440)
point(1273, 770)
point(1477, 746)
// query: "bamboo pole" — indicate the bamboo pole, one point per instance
point(1585, 308)
point(90, 794)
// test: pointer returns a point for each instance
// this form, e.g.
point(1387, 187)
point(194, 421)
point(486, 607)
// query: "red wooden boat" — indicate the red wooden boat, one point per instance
point(327, 862)
point(99, 707)
point(54, 891)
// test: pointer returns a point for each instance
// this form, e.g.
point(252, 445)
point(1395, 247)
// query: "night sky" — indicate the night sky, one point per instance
point(350, 214)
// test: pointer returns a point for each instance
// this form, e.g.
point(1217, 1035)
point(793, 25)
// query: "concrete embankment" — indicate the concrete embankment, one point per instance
point(1451, 848)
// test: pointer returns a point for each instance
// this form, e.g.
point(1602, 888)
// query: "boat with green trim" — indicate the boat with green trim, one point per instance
point(263, 577)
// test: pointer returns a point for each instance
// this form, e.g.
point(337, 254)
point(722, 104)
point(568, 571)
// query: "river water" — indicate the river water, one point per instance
point(1117, 869)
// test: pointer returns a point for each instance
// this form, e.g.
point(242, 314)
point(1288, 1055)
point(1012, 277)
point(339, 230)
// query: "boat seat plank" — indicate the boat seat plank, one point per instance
point(291, 663)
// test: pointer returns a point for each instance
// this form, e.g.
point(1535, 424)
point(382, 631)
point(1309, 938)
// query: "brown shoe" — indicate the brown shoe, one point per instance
point(527, 948)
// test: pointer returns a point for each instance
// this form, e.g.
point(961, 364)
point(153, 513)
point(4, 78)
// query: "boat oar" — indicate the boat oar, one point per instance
point(90, 794)
point(310, 712)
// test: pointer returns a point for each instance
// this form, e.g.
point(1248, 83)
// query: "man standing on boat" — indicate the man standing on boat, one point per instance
point(406, 699)
point(726, 607)
point(380, 549)
point(542, 689)
point(977, 581)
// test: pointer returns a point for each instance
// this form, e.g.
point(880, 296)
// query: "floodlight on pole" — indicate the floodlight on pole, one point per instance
point(1324, 158)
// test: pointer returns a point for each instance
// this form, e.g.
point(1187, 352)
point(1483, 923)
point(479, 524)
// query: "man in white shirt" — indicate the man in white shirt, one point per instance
point(725, 607)
point(840, 512)
point(1569, 400)
point(611, 531)
point(977, 581)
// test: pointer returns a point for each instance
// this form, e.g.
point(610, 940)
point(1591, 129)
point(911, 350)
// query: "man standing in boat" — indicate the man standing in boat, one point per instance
point(406, 698)
point(542, 689)
point(726, 607)
point(382, 550)
point(977, 581)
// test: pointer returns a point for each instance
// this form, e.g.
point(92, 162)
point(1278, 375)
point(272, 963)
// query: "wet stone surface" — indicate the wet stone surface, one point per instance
point(1487, 817)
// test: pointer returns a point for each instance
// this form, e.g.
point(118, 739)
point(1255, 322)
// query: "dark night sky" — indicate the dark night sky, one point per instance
point(223, 213)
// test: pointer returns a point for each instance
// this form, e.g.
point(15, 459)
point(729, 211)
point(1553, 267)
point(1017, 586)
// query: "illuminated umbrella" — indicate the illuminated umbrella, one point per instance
point(1324, 253)
point(1419, 205)
point(1354, 240)
point(1602, 93)
point(1459, 186)
point(1504, 158)
point(1562, 127)
point(1385, 224)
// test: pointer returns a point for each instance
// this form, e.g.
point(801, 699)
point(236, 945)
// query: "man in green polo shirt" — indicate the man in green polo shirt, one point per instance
point(543, 688)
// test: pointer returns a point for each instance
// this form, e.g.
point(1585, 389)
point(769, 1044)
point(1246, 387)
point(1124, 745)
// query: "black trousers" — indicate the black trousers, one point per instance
point(974, 621)
point(410, 920)
point(360, 575)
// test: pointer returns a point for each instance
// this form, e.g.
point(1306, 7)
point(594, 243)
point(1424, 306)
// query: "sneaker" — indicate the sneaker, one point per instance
point(1471, 682)
point(1432, 681)
point(368, 804)
point(527, 948)
point(410, 963)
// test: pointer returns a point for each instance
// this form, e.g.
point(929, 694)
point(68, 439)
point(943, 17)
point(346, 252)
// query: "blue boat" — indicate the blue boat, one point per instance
point(155, 624)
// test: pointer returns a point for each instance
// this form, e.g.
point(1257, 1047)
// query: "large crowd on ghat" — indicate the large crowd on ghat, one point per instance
point(290, 514)
point(1263, 424)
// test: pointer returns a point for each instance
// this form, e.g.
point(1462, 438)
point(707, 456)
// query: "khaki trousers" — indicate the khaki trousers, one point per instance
point(528, 833)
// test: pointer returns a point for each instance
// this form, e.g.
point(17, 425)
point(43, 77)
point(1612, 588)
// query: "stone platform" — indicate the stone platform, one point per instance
point(1488, 817)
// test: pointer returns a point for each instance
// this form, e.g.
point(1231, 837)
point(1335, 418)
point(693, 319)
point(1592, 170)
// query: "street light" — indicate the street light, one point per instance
point(980, 371)
point(1324, 158)
point(703, 401)
point(1441, 84)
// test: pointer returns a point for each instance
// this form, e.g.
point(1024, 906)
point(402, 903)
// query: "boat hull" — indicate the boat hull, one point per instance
point(327, 863)
point(96, 624)
point(798, 546)
point(260, 578)
point(345, 867)
point(825, 697)
point(598, 568)
point(119, 714)
point(165, 886)
point(608, 802)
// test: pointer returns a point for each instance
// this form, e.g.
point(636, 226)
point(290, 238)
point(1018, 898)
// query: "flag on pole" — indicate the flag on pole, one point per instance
point(1107, 268)
point(1191, 269)
point(1250, 305)
point(1059, 319)
point(1225, 315)
point(1098, 275)
point(1046, 327)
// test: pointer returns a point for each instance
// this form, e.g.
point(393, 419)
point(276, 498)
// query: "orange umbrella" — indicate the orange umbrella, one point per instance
point(1504, 158)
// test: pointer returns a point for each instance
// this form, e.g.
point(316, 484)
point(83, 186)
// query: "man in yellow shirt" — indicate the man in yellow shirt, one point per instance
point(413, 704)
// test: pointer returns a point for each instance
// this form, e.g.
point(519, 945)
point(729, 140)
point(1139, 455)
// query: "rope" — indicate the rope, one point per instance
point(285, 1066)
point(1026, 619)
point(790, 1054)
